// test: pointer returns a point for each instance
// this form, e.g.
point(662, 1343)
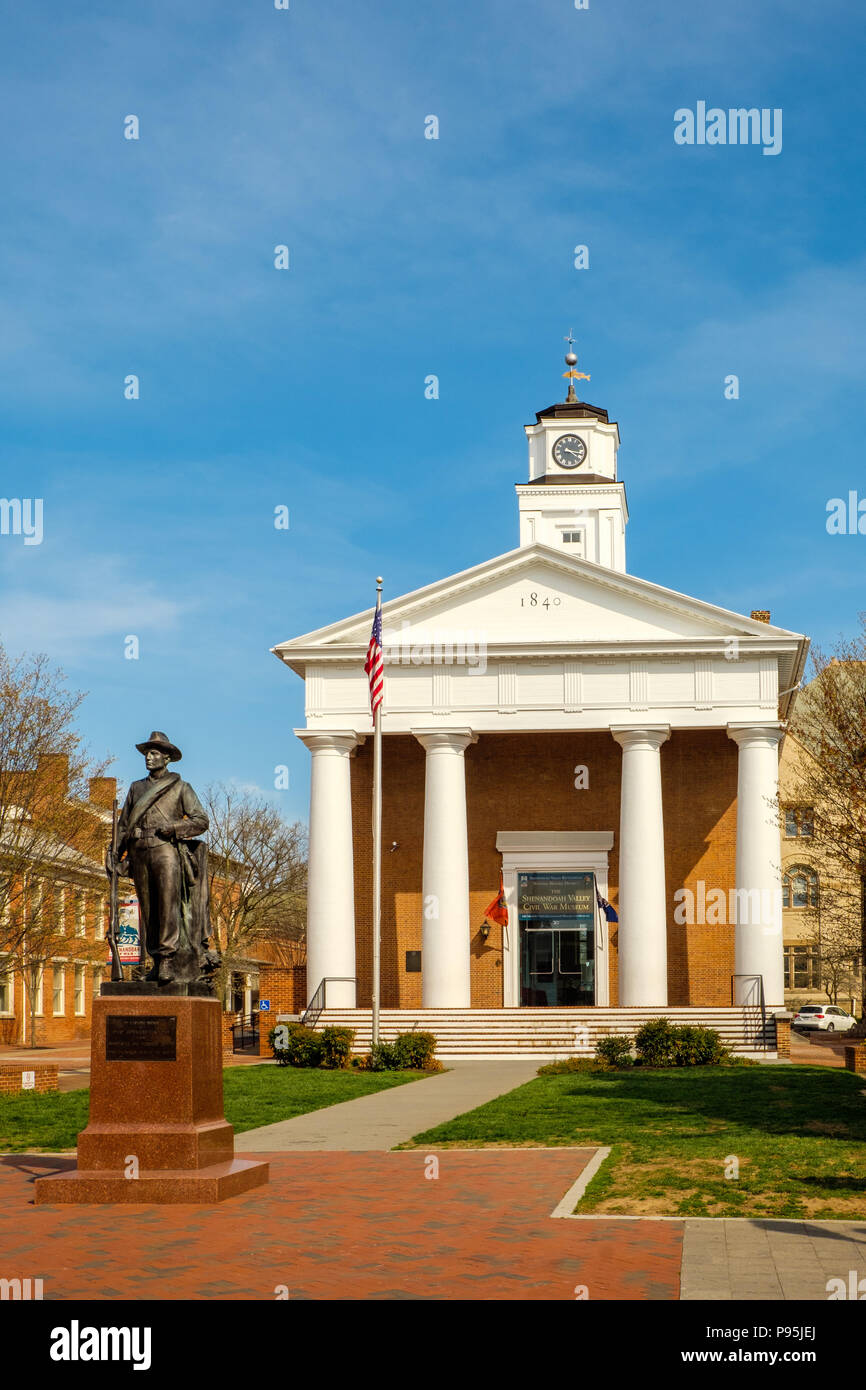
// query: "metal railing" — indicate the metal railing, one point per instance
point(759, 1002)
point(245, 1033)
point(310, 1016)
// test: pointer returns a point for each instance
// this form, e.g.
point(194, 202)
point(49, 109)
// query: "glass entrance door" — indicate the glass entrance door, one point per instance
point(557, 939)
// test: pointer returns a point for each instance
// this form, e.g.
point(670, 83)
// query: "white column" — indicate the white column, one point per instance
point(331, 878)
point(758, 945)
point(445, 982)
point(642, 932)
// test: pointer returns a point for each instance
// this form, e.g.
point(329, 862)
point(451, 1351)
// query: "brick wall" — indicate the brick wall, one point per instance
point(526, 782)
point(699, 796)
point(11, 1077)
point(285, 986)
point(226, 1021)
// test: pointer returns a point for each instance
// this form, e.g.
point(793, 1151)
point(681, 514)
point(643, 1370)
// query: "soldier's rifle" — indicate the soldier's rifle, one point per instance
point(113, 915)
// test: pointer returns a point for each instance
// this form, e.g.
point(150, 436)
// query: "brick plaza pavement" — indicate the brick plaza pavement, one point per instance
point(345, 1226)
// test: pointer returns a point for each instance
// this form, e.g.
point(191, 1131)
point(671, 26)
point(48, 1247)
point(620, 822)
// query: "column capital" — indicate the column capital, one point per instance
point(641, 735)
point(768, 734)
point(445, 740)
point(343, 741)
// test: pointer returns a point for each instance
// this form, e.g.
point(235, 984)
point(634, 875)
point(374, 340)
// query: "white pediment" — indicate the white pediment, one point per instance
point(535, 597)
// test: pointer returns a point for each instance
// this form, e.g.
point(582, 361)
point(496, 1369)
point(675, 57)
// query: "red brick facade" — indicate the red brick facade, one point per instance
point(12, 1078)
point(526, 782)
point(71, 1022)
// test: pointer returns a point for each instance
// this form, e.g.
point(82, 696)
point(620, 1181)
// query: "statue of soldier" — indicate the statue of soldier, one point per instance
point(158, 848)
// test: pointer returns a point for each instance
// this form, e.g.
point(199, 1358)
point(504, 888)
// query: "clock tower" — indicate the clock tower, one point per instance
point(574, 500)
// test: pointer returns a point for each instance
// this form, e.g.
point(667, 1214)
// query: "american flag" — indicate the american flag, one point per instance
point(375, 664)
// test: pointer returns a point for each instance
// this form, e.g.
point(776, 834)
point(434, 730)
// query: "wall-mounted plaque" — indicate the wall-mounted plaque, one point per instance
point(141, 1038)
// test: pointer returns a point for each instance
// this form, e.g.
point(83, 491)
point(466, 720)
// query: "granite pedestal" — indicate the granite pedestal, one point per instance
point(156, 1132)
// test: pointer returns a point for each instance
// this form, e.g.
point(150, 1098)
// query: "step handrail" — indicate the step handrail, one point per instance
point(761, 1000)
point(316, 1006)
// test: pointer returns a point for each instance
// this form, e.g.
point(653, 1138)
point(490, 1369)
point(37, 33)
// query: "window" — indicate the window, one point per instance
point(800, 887)
point(572, 537)
point(40, 981)
point(798, 822)
point(59, 990)
point(7, 990)
point(802, 967)
point(80, 914)
point(78, 988)
point(60, 909)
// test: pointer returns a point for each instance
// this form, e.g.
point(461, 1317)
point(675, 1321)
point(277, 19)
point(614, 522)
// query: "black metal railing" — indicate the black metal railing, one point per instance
point(310, 1016)
point(245, 1033)
point(759, 1002)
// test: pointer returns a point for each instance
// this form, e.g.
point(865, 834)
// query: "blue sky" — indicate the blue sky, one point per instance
point(409, 256)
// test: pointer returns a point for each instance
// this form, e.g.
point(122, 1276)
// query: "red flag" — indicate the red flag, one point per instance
point(498, 911)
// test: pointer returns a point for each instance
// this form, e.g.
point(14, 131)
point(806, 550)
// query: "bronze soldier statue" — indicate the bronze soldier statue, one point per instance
point(157, 846)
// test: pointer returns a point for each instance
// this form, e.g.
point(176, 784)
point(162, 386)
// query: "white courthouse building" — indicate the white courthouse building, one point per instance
point(591, 735)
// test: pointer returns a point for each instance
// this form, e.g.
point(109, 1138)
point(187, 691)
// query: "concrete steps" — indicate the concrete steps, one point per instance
point(546, 1034)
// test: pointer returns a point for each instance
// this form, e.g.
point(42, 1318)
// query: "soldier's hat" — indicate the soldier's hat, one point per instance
point(163, 744)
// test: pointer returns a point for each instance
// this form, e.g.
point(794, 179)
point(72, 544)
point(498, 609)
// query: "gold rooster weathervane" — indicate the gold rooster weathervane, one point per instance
point(572, 374)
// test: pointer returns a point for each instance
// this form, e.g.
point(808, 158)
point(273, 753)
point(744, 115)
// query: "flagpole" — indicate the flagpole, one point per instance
point(377, 850)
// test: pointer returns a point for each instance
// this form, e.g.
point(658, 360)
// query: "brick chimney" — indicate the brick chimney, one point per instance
point(54, 768)
point(103, 790)
point(760, 615)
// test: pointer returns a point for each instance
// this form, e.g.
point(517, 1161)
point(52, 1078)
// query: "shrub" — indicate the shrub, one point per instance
point(408, 1052)
point(698, 1047)
point(660, 1044)
point(656, 1043)
point(414, 1050)
point(303, 1046)
point(615, 1050)
point(336, 1046)
point(383, 1057)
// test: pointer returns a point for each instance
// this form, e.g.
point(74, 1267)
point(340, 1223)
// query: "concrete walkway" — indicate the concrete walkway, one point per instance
point(777, 1260)
point(380, 1121)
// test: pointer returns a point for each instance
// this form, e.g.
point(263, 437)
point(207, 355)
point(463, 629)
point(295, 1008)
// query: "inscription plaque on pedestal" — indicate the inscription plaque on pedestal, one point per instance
point(141, 1038)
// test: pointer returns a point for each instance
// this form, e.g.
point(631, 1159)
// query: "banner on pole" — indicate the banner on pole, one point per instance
point(129, 931)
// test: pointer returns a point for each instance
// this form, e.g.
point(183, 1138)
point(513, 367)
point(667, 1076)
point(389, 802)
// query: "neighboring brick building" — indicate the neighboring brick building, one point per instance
point(593, 737)
point(822, 899)
point(66, 982)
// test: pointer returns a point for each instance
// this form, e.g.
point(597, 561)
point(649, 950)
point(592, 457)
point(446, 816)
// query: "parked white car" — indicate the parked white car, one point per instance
point(826, 1016)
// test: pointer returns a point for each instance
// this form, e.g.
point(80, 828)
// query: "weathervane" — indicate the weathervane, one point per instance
point(572, 374)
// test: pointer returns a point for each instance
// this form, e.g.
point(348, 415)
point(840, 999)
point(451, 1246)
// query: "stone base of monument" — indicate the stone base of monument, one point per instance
point(156, 1132)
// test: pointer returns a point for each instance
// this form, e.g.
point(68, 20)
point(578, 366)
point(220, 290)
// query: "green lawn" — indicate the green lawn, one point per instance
point(797, 1133)
point(262, 1095)
point(253, 1096)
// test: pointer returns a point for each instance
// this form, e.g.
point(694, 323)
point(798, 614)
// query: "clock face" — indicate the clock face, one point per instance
point(569, 451)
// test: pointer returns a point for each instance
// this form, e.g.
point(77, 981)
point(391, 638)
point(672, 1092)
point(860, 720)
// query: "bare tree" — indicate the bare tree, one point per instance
point(258, 879)
point(829, 722)
point(834, 925)
point(50, 835)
